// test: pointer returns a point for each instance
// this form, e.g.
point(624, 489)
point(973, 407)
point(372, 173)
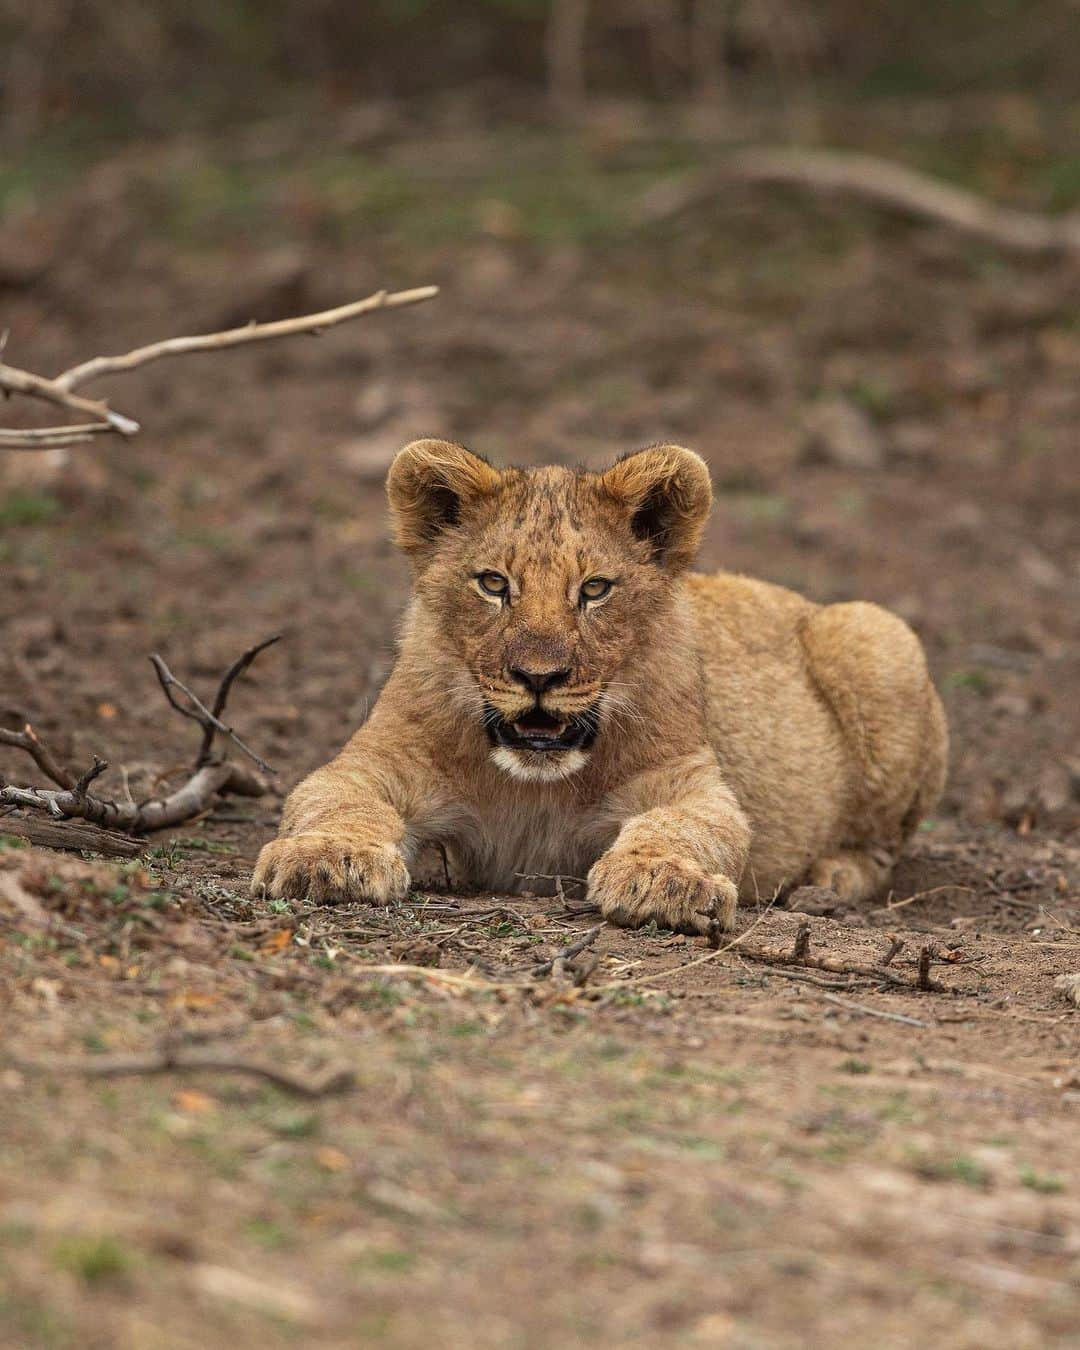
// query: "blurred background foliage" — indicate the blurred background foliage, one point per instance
point(132, 67)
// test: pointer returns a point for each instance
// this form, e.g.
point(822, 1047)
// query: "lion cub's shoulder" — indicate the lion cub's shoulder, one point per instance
point(734, 610)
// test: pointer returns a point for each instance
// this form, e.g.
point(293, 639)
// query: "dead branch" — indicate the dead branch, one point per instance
point(779, 956)
point(335, 1078)
point(567, 954)
point(73, 834)
point(222, 697)
point(892, 186)
point(896, 946)
point(60, 390)
point(199, 712)
point(27, 740)
point(72, 798)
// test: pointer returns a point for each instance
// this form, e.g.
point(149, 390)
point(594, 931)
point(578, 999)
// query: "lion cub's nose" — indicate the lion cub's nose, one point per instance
point(539, 681)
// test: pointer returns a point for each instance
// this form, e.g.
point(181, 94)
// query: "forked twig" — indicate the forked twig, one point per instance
point(60, 390)
point(72, 798)
point(335, 1078)
point(28, 740)
point(568, 953)
point(210, 722)
point(222, 697)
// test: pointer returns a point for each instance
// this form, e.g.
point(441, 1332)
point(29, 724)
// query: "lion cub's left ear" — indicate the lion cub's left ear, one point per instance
point(429, 484)
point(668, 494)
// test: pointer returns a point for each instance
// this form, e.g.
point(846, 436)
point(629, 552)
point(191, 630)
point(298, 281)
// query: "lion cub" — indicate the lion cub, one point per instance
point(569, 699)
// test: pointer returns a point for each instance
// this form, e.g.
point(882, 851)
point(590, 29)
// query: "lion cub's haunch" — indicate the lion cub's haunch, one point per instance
point(570, 699)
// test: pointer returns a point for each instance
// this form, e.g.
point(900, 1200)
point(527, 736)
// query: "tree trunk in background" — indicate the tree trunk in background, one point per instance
point(564, 48)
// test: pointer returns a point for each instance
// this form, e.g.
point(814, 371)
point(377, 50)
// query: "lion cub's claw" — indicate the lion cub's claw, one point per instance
point(325, 869)
point(632, 891)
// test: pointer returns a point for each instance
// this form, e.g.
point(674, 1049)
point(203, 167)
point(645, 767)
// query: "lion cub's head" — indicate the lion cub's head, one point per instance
point(544, 584)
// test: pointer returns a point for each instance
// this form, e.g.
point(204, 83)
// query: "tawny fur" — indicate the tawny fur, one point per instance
point(748, 738)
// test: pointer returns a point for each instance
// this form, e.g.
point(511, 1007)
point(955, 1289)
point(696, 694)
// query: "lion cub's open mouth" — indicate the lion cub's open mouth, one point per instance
point(540, 730)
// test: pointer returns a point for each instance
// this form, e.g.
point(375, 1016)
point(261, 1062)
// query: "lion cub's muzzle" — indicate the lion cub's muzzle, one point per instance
point(542, 729)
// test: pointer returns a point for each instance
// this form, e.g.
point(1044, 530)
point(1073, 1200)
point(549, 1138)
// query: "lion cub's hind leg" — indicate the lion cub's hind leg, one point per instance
point(854, 876)
point(870, 669)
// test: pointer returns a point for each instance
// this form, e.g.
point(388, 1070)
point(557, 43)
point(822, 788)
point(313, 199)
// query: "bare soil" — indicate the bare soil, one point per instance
point(693, 1147)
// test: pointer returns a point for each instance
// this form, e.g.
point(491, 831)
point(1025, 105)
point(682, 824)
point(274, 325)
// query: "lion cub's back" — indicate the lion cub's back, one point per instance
point(779, 745)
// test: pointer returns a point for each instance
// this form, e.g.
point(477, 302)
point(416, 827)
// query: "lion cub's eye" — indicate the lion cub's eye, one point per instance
point(595, 588)
point(493, 583)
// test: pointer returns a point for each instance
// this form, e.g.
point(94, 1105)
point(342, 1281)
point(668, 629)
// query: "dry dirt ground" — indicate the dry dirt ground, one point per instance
point(692, 1147)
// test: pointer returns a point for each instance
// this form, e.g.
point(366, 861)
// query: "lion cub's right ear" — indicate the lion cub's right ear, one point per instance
point(428, 484)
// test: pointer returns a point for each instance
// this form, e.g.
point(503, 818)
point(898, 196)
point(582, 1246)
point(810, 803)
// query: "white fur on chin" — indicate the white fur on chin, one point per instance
point(546, 768)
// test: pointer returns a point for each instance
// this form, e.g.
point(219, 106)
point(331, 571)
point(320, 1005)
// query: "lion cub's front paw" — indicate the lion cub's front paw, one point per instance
point(323, 868)
point(631, 890)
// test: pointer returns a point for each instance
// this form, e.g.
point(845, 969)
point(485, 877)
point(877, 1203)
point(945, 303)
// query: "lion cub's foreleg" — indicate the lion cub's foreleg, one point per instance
point(341, 839)
point(680, 852)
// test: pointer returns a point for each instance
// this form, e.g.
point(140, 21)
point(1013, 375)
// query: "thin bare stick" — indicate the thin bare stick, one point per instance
point(52, 438)
point(15, 381)
point(222, 696)
point(835, 965)
point(60, 391)
point(234, 337)
point(922, 895)
point(735, 942)
point(335, 1078)
point(28, 740)
point(568, 953)
point(873, 1012)
point(893, 186)
point(896, 946)
point(200, 713)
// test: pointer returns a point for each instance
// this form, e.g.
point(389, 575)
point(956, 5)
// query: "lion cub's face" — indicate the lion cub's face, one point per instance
point(544, 583)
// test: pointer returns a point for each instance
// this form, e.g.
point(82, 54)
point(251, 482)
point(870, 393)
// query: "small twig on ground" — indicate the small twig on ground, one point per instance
point(335, 1078)
point(59, 391)
point(221, 698)
point(735, 942)
point(199, 712)
point(806, 977)
point(28, 740)
point(922, 895)
point(873, 1012)
point(896, 946)
point(778, 956)
point(567, 954)
point(922, 979)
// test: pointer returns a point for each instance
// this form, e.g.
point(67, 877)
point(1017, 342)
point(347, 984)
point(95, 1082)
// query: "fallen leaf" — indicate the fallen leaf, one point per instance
point(194, 1001)
point(194, 1103)
point(106, 711)
point(332, 1159)
point(277, 942)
